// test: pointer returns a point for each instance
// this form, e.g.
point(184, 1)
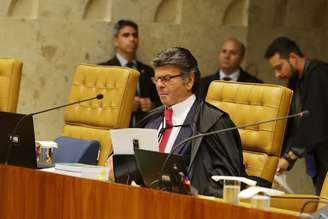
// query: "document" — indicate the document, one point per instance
point(122, 139)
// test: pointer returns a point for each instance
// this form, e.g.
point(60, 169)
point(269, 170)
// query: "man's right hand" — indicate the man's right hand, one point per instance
point(282, 166)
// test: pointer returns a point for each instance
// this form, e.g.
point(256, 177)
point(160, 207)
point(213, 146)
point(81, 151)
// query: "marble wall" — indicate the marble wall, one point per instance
point(53, 37)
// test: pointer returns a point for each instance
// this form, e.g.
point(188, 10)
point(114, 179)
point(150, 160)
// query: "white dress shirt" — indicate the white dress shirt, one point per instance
point(180, 111)
point(123, 61)
point(233, 76)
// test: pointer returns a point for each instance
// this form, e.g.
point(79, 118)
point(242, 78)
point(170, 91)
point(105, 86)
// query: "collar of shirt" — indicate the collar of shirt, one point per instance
point(180, 111)
point(234, 76)
point(123, 61)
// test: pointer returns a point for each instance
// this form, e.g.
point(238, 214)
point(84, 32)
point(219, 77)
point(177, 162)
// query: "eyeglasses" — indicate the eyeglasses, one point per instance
point(165, 78)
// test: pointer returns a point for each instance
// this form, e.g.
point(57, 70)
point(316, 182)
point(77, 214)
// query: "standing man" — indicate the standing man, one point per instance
point(126, 41)
point(308, 79)
point(230, 57)
point(183, 115)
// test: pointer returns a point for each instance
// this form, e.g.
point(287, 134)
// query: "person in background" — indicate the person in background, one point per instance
point(230, 57)
point(308, 79)
point(126, 42)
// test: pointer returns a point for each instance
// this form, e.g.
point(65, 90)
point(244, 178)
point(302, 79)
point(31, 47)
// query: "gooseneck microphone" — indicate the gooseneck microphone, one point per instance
point(179, 145)
point(13, 133)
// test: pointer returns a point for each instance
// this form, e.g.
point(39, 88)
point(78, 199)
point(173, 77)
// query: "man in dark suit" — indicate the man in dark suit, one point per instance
point(230, 57)
point(126, 41)
point(308, 79)
point(183, 115)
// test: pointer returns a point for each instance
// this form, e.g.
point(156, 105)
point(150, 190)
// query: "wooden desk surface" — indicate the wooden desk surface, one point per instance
point(28, 193)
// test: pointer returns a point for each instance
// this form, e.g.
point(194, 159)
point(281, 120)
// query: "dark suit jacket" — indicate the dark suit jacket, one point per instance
point(217, 154)
point(205, 82)
point(147, 88)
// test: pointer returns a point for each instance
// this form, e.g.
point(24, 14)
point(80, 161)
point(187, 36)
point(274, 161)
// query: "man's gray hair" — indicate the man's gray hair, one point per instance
point(181, 58)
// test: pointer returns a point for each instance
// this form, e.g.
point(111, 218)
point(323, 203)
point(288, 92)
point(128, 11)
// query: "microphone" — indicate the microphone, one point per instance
point(98, 97)
point(162, 130)
point(179, 145)
point(13, 138)
point(148, 116)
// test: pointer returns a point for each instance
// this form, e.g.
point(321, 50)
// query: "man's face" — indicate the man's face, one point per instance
point(229, 56)
point(126, 41)
point(283, 68)
point(174, 90)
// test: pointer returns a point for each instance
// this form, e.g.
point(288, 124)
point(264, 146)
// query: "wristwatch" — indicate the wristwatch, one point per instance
point(291, 159)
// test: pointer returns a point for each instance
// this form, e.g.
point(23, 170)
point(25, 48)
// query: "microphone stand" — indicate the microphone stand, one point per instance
point(301, 115)
point(13, 133)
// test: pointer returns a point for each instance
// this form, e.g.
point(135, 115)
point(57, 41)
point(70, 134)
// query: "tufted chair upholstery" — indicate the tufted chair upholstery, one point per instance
point(249, 103)
point(295, 202)
point(93, 119)
point(10, 77)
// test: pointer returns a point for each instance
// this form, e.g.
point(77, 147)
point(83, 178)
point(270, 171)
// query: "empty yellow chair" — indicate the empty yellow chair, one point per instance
point(250, 103)
point(93, 119)
point(10, 77)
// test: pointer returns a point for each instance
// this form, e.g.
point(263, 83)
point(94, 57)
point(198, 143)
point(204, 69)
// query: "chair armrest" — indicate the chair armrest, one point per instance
point(295, 202)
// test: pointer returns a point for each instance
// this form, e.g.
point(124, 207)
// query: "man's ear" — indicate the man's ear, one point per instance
point(190, 81)
point(293, 58)
point(114, 41)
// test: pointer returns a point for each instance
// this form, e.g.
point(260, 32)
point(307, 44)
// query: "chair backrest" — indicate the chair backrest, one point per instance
point(249, 103)
point(93, 119)
point(324, 193)
point(10, 77)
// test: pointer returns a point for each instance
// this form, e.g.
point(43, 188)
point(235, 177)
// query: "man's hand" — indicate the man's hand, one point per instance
point(282, 166)
point(145, 104)
point(136, 103)
point(286, 162)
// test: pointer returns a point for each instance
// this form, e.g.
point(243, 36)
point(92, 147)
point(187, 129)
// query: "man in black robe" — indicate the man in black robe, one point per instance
point(308, 79)
point(230, 57)
point(183, 115)
point(126, 42)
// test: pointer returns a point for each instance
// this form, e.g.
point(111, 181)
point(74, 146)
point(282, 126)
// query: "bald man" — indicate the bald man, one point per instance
point(230, 57)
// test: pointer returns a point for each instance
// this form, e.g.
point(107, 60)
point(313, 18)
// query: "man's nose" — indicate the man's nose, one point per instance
point(277, 74)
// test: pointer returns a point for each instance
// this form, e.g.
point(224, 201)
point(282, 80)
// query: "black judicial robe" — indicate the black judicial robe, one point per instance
point(218, 154)
point(311, 136)
point(313, 130)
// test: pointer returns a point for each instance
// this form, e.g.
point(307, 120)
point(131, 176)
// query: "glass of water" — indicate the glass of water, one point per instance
point(260, 201)
point(231, 189)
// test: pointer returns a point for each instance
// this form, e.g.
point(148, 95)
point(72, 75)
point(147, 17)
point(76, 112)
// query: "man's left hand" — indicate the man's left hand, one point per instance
point(145, 104)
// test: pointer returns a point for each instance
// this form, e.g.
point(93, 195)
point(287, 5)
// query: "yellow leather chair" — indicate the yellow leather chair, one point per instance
point(249, 103)
point(296, 202)
point(10, 77)
point(93, 119)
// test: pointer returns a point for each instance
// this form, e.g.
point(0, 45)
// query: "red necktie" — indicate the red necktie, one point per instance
point(168, 123)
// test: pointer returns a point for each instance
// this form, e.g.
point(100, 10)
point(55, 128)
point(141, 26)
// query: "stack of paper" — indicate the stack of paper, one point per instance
point(83, 170)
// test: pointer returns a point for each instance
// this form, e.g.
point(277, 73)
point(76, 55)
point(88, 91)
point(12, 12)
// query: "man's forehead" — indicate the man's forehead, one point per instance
point(127, 29)
point(276, 59)
point(231, 44)
point(166, 69)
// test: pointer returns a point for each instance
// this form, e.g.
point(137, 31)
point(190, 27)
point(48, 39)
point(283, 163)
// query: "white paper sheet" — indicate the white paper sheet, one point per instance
point(122, 139)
